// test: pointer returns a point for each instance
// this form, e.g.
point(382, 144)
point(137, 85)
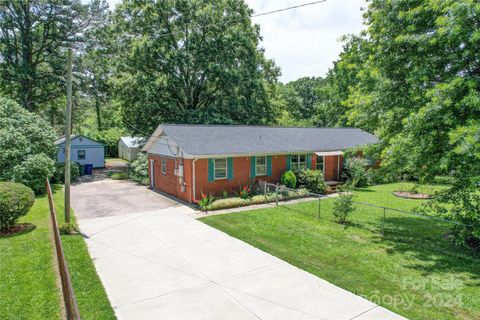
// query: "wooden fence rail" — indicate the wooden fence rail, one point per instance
point(71, 307)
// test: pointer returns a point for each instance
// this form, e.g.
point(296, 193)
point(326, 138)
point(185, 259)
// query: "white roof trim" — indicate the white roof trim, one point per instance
point(329, 153)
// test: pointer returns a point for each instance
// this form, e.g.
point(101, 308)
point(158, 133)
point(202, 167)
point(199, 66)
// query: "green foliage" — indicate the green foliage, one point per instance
point(205, 201)
point(59, 174)
point(24, 139)
point(139, 169)
point(460, 203)
point(33, 171)
point(356, 172)
point(343, 205)
point(67, 228)
point(312, 180)
point(244, 192)
point(15, 201)
point(206, 75)
point(110, 138)
point(227, 203)
point(119, 175)
point(289, 179)
point(32, 46)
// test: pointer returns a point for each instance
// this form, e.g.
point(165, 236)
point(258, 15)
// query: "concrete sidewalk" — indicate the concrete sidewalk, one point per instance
point(166, 265)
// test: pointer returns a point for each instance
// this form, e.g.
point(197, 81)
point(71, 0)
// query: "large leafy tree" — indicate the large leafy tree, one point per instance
point(34, 35)
point(190, 61)
point(418, 88)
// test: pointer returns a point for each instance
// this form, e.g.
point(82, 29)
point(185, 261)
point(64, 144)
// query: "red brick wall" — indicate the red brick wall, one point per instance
point(241, 175)
point(169, 182)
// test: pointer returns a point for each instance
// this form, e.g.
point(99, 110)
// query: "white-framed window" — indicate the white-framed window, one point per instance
point(163, 167)
point(261, 166)
point(81, 155)
point(321, 163)
point(299, 161)
point(220, 168)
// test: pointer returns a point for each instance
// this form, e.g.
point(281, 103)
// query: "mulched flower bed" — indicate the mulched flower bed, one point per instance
point(411, 195)
point(18, 228)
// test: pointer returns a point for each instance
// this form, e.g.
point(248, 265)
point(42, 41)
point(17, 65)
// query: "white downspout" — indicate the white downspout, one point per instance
point(194, 179)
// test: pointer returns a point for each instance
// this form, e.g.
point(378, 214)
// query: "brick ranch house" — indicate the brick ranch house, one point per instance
point(186, 160)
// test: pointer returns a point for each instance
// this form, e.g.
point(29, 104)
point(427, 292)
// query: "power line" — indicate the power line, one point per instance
point(252, 16)
point(288, 8)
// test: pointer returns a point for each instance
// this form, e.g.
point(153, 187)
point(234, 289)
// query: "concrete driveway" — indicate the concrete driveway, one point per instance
point(107, 197)
point(164, 264)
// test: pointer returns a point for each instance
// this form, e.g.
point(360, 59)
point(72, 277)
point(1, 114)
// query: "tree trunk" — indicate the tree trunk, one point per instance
point(97, 109)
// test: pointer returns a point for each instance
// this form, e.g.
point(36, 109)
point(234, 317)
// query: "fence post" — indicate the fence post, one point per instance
point(265, 190)
point(276, 195)
point(319, 206)
point(383, 221)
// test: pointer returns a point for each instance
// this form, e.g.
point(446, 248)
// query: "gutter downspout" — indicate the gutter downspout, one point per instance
point(194, 180)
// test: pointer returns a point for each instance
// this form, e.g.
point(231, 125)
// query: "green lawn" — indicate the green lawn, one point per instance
point(412, 270)
point(28, 289)
point(28, 285)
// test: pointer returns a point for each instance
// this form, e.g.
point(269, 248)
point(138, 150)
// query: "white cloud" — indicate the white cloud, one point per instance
point(304, 41)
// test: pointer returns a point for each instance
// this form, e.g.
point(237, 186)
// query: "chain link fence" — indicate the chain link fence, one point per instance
point(409, 228)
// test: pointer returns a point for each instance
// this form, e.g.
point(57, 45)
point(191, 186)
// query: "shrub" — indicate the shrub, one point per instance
point(228, 203)
point(289, 179)
point(22, 136)
point(15, 201)
point(343, 205)
point(312, 180)
point(119, 175)
point(295, 194)
point(33, 171)
point(356, 172)
point(139, 169)
point(59, 174)
point(205, 201)
point(244, 192)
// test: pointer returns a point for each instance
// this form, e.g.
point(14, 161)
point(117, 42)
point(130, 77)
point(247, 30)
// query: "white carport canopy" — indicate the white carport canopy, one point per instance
point(329, 153)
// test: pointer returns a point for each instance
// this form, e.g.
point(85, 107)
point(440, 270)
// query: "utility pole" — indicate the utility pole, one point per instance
point(68, 128)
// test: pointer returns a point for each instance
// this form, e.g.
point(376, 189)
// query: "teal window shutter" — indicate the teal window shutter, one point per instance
point(269, 166)
point(253, 163)
point(211, 176)
point(309, 161)
point(289, 162)
point(230, 168)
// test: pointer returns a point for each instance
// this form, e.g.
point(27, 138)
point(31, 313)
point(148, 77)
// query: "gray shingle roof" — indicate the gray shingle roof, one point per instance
point(231, 139)
point(62, 139)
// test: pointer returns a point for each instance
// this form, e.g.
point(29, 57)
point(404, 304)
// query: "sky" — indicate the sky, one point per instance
point(304, 41)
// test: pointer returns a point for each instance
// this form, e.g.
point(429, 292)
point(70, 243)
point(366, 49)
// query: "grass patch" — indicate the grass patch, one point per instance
point(413, 270)
point(91, 297)
point(28, 285)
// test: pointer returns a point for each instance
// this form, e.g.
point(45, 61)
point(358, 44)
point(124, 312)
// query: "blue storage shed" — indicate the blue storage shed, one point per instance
point(83, 151)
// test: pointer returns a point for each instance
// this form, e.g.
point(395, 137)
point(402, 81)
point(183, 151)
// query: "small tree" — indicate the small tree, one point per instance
point(15, 201)
point(356, 172)
point(289, 179)
point(343, 205)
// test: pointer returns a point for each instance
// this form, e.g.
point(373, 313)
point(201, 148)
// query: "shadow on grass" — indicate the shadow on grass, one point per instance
point(425, 241)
